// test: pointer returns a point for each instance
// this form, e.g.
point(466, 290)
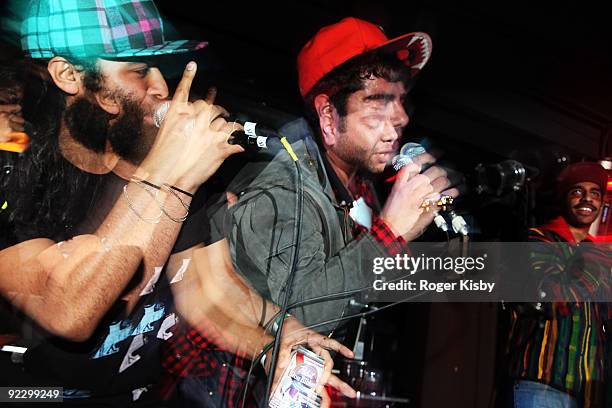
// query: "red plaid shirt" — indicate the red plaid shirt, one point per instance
point(380, 231)
point(203, 352)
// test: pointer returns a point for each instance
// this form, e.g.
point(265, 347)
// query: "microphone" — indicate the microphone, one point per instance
point(253, 137)
point(406, 155)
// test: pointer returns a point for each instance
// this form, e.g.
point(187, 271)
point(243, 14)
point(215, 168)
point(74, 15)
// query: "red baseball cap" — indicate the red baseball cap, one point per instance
point(337, 43)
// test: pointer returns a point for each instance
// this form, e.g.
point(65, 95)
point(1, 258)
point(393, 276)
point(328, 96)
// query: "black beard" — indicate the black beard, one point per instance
point(89, 125)
point(575, 223)
point(126, 134)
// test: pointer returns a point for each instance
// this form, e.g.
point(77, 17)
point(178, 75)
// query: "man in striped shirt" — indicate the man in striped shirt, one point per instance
point(556, 354)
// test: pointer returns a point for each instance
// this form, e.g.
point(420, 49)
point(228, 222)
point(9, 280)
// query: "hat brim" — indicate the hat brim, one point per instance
point(167, 48)
point(412, 48)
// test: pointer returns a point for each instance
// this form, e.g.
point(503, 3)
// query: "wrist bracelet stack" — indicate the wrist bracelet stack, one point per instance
point(148, 183)
point(153, 191)
point(132, 206)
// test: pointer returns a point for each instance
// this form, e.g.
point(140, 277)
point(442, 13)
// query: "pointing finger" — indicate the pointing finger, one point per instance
point(184, 87)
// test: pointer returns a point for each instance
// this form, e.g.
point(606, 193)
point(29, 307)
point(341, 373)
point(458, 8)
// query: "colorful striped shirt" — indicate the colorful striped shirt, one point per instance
point(563, 346)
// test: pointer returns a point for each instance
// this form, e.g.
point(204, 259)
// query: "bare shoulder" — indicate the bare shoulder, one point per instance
point(15, 255)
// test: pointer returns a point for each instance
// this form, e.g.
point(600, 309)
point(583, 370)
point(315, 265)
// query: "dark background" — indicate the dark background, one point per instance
point(508, 79)
point(503, 76)
point(513, 79)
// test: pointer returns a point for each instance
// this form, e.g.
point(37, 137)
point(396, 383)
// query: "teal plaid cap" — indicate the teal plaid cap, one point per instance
point(97, 28)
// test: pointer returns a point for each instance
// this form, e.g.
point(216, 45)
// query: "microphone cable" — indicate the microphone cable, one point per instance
point(297, 234)
point(318, 299)
point(339, 319)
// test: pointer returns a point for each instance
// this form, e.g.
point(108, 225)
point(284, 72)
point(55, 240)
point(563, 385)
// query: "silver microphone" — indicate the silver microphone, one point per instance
point(407, 153)
point(160, 113)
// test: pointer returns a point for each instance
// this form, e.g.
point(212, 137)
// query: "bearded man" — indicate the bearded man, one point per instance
point(102, 212)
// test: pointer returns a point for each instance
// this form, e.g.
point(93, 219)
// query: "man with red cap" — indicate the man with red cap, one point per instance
point(556, 357)
point(353, 81)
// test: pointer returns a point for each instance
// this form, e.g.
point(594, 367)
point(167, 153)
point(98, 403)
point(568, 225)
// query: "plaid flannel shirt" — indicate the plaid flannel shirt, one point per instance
point(203, 352)
point(380, 231)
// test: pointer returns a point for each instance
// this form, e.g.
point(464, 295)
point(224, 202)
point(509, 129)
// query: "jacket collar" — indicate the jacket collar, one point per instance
point(300, 135)
point(300, 131)
point(560, 227)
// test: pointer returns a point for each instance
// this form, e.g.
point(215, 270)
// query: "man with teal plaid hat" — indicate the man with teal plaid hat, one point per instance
point(111, 210)
point(112, 43)
point(103, 29)
point(95, 205)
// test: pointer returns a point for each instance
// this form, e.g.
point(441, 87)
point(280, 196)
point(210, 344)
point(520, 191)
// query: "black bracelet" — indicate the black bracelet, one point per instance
point(262, 320)
point(187, 193)
point(148, 183)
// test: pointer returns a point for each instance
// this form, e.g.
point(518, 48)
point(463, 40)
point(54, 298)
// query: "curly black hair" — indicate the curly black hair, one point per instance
point(44, 195)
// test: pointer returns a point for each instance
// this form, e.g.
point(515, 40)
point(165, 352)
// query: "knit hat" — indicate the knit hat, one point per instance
point(580, 173)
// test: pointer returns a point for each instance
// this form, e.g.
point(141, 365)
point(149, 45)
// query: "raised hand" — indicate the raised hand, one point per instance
point(192, 141)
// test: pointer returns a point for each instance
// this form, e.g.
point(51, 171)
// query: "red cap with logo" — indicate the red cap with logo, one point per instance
point(337, 43)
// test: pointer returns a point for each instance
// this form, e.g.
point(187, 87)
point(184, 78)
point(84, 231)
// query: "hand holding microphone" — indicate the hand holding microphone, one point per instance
point(191, 143)
point(407, 210)
point(250, 135)
point(414, 151)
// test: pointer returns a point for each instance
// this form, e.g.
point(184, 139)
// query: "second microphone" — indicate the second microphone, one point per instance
point(254, 137)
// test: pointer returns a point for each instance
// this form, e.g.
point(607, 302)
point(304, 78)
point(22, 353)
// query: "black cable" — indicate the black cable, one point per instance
point(268, 346)
point(347, 293)
point(288, 288)
point(361, 314)
point(323, 323)
point(321, 299)
point(297, 232)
